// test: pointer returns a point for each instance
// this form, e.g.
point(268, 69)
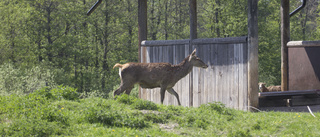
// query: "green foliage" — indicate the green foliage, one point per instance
point(68, 93)
point(144, 105)
point(14, 80)
point(42, 113)
point(156, 118)
point(46, 43)
point(218, 107)
point(60, 92)
point(72, 49)
point(126, 99)
point(114, 118)
point(28, 127)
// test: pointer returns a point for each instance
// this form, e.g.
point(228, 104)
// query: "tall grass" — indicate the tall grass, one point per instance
point(59, 111)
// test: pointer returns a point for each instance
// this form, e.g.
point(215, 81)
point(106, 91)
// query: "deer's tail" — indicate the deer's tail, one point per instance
point(117, 66)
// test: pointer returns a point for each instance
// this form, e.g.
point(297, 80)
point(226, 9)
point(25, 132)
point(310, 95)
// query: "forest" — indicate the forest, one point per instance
point(46, 43)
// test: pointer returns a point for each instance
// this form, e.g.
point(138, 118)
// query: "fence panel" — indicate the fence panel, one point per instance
point(225, 80)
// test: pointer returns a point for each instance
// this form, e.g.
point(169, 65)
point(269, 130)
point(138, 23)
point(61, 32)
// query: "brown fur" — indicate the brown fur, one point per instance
point(263, 88)
point(153, 75)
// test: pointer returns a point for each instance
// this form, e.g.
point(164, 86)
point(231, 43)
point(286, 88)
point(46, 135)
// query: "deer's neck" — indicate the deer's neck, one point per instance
point(182, 69)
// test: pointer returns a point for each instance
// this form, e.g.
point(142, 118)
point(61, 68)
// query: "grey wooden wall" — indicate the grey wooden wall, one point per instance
point(225, 80)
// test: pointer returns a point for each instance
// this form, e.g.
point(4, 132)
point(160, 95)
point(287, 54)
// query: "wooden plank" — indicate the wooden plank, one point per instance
point(219, 74)
point(216, 72)
point(195, 84)
point(243, 91)
point(179, 86)
point(142, 92)
point(204, 94)
point(229, 75)
point(186, 87)
point(206, 57)
point(246, 76)
point(167, 98)
point(303, 44)
point(233, 96)
point(285, 94)
point(210, 70)
point(228, 40)
point(263, 102)
point(222, 55)
point(235, 91)
point(163, 43)
point(304, 101)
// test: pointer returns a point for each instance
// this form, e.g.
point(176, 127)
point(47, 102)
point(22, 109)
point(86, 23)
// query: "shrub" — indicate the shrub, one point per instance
point(155, 118)
point(114, 118)
point(19, 81)
point(65, 92)
point(218, 107)
point(144, 104)
point(31, 127)
point(126, 99)
point(240, 133)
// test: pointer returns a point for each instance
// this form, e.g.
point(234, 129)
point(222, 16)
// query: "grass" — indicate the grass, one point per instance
point(58, 112)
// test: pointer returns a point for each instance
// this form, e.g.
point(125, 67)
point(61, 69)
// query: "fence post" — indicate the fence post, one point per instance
point(253, 53)
point(193, 35)
point(285, 36)
point(142, 23)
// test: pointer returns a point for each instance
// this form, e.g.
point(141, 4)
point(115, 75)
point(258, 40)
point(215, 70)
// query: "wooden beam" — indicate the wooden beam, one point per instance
point(193, 35)
point(253, 100)
point(303, 44)
point(285, 37)
point(193, 19)
point(142, 24)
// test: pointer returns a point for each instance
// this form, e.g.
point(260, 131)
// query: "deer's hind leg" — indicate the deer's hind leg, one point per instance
point(171, 91)
point(126, 85)
point(129, 90)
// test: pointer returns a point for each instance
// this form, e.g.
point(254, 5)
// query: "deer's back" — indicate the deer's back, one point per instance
point(148, 75)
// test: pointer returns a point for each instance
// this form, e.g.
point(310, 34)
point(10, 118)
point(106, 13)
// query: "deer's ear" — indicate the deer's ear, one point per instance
point(194, 52)
point(190, 57)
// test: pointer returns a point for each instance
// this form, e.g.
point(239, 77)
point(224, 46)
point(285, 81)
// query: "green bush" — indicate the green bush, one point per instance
point(19, 81)
point(240, 133)
point(65, 92)
point(217, 107)
point(155, 118)
point(31, 127)
point(126, 99)
point(144, 105)
point(116, 118)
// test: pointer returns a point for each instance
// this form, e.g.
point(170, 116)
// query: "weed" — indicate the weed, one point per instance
point(48, 112)
point(126, 99)
point(144, 105)
point(155, 118)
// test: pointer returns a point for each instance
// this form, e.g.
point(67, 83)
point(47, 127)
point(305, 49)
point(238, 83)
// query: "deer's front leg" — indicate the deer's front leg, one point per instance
point(162, 93)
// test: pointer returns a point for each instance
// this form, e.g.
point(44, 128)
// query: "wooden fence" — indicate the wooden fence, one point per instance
point(225, 80)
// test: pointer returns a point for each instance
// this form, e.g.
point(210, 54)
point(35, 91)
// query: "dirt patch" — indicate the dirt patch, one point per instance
point(149, 112)
point(169, 126)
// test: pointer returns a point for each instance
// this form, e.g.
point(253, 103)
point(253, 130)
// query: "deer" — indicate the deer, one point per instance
point(156, 75)
point(263, 88)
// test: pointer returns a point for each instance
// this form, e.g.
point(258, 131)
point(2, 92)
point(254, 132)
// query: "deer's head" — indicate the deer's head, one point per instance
point(196, 61)
point(261, 85)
